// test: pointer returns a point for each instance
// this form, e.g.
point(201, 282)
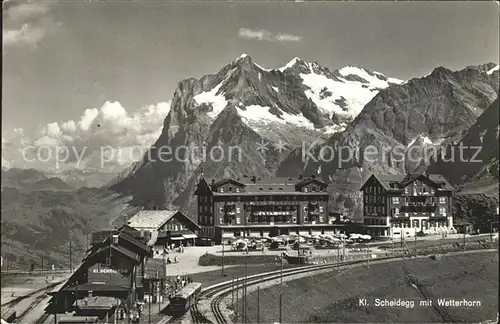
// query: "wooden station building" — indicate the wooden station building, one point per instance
point(165, 227)
point(258, 207)
point(115, 268)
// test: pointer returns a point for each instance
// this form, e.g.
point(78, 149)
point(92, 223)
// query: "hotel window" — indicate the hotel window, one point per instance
point(221, 209)
point(395, 200)
point(396, 211)
point(230, 188)
point(406, 190)
point(306, 219)
point(237, 209)
point(237, 189)
point(321, 219)
point(305, 208)
point(442, 210)
point(175, 228)
point(221, 189)
point(314, 189)
point(221, 220)
point(304, 190)
point(210, 221)
point(237, 220)
point(442, 200)
point(249, 219)
point(320, 209)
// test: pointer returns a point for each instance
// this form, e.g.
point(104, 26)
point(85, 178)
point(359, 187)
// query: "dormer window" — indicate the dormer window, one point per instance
point(281, 189)
point(230, 188)
point(314, 189)
point(260, 189)
point(305, 189)
point(237, 189)
point(221, 189)
point(270, 189)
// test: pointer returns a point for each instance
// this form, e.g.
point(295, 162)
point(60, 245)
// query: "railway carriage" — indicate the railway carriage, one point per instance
point(71, 319)
point(184, 299)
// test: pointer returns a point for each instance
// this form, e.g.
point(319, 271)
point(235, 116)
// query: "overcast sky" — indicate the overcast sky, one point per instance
point(62, 58)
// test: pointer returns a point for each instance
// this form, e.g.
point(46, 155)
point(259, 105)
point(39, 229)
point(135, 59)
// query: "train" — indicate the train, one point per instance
point(71, 319)
point(184, 299)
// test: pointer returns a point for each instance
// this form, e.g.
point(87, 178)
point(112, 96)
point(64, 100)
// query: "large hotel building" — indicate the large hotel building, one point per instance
point(396, 205)
point(256, 207)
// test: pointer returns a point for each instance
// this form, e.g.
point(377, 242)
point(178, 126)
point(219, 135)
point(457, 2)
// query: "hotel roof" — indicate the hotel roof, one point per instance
point(402, 180)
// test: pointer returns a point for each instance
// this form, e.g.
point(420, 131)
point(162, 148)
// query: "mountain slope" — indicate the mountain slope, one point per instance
point(430, 111)
point(278, 108)
point(479, 160)
point(21, 178)
point(42, 222)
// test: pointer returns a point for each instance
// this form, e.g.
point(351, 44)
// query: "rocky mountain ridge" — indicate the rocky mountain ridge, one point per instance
point(277, 108)
point(245, 105)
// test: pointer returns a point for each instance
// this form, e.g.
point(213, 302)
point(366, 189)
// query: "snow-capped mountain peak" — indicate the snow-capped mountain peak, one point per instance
point(303, 94)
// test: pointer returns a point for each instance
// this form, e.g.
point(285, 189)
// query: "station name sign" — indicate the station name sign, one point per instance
point(107, 270)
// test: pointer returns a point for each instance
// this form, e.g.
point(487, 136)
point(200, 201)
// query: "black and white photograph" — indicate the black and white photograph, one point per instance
point(246, 161)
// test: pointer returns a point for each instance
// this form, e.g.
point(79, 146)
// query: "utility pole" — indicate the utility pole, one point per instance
point(158, 288)
point(258, 304)
point(415, 241)
point(281, 288)
point(465, 227)
point(232, 292)
point(222, 256)
point(150, 297)
point(70, 257)
point(237, 300)
point(367, 255)
point(245, 319)
point(338, 258)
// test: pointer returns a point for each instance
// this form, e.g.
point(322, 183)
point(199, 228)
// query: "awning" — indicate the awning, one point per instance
point(189, 236)
point(177, 238)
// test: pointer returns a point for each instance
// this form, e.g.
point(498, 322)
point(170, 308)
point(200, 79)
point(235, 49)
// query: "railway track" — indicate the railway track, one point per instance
point(17, 300)
point(35, 303)
point(220, 291)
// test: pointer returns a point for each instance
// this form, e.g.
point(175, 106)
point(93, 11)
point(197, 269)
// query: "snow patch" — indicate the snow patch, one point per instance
point(260, 67)
point(242, 56)
point(362, 73)
point(290, 64)
point(254, 115)
point(356, 96)
point(493, 70)
point(330, 130)
point(218, 101)
point(275, 89)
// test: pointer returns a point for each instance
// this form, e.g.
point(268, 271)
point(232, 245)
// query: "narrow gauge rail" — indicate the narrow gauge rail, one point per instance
point(16, 300)
point(36, 302)
point(219, 291)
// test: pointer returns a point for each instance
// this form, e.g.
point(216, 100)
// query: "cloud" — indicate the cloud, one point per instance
point(26, 24)
point(80, 143)
point(265, 35)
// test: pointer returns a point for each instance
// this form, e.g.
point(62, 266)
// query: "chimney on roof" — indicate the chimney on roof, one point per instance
point(254, 179)
point(301, 177)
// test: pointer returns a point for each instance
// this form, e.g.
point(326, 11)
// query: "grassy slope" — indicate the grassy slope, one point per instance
point(334, 297)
